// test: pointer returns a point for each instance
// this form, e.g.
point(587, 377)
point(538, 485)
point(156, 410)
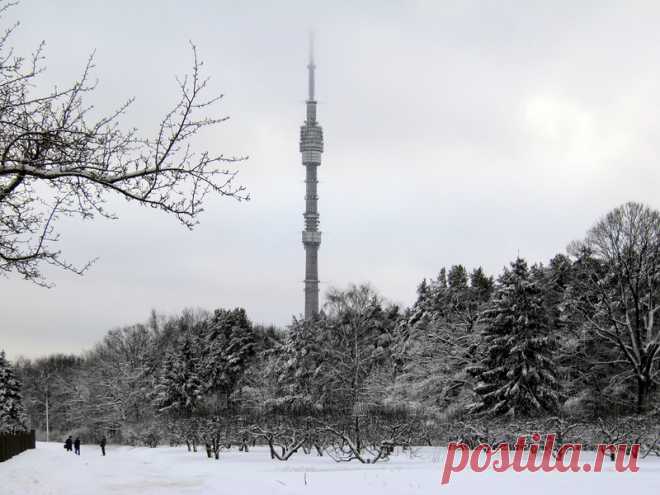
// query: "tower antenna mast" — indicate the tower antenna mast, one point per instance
point(311, 67)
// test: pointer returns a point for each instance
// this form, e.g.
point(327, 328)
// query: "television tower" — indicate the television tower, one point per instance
point(311, 147)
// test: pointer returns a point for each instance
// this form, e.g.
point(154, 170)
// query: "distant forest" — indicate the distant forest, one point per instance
point(569, 344)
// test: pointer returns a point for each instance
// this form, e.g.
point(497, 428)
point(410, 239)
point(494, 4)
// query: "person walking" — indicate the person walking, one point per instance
point(68, 444)
point(102, 444)
point(76, 446)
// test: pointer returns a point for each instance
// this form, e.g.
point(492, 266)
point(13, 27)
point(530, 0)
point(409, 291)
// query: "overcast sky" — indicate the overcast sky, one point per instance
point(455, 132)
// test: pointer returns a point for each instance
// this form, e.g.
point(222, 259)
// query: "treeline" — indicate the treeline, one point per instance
point(576, 339)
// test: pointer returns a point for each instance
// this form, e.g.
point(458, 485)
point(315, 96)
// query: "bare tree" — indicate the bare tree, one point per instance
point(617, 291)
point(283, 441)
point(119, 375)
point(630, 430)
point(44, 384)
point(58, 159)
point(383, 439)
point(360, 332)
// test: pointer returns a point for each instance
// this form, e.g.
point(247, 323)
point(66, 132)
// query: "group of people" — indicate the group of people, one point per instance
point(70, 445)
point(74, 445)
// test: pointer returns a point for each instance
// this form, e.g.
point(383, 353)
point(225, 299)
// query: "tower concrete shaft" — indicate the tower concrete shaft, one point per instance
point(311, 147)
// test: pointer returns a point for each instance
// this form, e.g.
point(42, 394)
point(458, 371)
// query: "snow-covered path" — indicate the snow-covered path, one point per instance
point(50, 470)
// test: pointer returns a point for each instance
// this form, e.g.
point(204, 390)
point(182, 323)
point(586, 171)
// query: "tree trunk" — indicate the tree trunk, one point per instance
point(47, 423)
point(642, 393)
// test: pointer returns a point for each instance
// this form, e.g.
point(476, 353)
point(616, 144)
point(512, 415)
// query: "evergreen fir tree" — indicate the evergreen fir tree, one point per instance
point(437, 337)
point(441, 281)
point(481, 285)
point(457, 278)
point(422, 289)
point(179, 388)
point(515, 376)
point(305, 368)
point(12, 414)
point(229, 344)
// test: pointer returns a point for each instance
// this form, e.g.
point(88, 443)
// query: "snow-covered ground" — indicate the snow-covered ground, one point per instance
point(50, 470)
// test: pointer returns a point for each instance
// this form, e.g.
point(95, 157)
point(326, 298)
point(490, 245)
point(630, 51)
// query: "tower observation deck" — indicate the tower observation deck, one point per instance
point(311, 148)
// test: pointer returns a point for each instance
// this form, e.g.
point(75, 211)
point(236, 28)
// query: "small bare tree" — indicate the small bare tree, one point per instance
point(347, 446)
point(283, 441)
point(57, 159)
point(630, 430)
point(565, 431)
point(215, 436)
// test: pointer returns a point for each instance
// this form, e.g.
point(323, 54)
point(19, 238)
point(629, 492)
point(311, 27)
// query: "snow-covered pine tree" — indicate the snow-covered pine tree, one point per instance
point(304, 367)
point(179, 388)
point(437, 339)
point(228, 346)
point(457, 278)
point(515, 376)
point(482, 285)
point(12, 414)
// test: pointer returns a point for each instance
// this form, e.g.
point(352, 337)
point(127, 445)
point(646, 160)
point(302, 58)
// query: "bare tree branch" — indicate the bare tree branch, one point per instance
point(56, 160)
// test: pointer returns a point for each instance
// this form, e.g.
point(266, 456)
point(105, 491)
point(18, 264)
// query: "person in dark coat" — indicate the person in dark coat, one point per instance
point(102, 444)
point(68, 444)
point(76, 446)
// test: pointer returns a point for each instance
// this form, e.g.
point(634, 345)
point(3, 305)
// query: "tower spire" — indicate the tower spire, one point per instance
point(311, 147)
point(311, 67)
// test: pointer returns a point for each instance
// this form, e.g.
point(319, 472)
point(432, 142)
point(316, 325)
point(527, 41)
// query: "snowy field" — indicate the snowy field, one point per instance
point(51, 470)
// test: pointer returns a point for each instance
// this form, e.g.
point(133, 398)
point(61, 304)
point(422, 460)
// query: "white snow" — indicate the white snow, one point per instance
point(172, 470)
